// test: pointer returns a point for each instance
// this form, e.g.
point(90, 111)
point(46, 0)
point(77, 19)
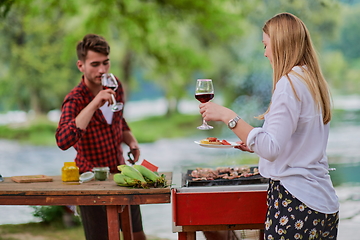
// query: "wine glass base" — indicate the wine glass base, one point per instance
point(117, 107)
point(205, 127)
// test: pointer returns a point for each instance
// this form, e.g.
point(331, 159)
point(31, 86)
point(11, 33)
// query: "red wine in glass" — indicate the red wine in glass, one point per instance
point(204, 92)
point(110, 87)
point(203, 98)
point(109, 81)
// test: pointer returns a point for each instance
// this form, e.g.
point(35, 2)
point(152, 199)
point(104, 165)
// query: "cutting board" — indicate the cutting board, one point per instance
point(31, 178)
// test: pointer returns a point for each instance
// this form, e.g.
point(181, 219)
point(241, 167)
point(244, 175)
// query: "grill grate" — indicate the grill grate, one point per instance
point(189, 182)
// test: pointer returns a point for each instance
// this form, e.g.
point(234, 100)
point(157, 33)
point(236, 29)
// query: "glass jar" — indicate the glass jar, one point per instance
point(70, 172)
point(101, 173)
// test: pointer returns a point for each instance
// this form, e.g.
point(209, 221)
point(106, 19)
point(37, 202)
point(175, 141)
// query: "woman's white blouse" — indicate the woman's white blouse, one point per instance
point(292, 146)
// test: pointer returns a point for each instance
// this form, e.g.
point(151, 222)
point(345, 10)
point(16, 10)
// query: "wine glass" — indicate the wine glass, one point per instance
point(108, 80)
point(204, 92)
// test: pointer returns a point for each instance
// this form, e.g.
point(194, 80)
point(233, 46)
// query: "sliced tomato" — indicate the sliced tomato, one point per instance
point(224, 142)
point(212, 139)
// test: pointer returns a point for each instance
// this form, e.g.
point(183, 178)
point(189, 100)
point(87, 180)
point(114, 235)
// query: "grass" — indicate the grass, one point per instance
point(156, 127)
point(39, 231)
point(36, 132)
point(42, 231)
point(42, 131)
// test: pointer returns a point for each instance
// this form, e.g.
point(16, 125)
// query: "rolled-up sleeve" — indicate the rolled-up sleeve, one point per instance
point(263, 144)
point(279, 125)
point(67, 134)
point(125, 126)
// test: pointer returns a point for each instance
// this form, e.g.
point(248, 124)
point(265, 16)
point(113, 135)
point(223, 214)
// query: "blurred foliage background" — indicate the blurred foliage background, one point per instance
point(159, 48)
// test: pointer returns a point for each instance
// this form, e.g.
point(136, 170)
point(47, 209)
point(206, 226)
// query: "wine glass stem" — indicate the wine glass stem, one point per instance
point(113, 98)
point(204, 122)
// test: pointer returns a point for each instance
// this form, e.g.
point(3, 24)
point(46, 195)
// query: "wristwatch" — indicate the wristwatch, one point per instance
point(232, 123)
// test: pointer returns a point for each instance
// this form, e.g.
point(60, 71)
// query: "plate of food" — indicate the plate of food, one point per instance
point(213, 142)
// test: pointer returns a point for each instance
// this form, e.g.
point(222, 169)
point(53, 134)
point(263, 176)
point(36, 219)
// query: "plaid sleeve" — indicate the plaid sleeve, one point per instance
point(125, 126)
point(67, 134)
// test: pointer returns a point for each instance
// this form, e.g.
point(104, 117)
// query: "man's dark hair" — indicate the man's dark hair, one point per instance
point(94, 43)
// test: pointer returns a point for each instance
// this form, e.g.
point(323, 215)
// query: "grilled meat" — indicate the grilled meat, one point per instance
point(222, 172)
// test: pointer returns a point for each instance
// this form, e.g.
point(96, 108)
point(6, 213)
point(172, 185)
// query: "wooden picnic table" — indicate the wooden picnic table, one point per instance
point(117, 199)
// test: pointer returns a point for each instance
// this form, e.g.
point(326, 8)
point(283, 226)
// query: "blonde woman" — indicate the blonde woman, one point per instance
point(291, 144)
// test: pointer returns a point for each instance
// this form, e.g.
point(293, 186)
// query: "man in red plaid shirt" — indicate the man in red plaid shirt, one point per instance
point(88, 124)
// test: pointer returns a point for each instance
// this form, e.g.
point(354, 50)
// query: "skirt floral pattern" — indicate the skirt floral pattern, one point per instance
point(289, 218)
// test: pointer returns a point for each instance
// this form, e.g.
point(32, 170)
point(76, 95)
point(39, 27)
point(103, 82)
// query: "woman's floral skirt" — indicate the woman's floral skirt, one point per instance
point(289, 218)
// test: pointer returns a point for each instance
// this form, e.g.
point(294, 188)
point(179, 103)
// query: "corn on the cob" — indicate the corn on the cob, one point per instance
point(153, 178)
point(132, 173)
point(161, 182)
point(147, 172)
point(122, 179)
point(125, 181)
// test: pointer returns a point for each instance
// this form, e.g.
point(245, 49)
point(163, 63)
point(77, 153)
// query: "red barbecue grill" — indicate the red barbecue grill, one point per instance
point(218, 204)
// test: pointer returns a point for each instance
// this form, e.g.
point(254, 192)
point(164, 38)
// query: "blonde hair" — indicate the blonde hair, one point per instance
point(292, 46)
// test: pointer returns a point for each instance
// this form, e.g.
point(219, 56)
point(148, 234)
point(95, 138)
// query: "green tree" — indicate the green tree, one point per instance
point(36, 74)
point(342, 56)
point(172, 42)
point(5, 6)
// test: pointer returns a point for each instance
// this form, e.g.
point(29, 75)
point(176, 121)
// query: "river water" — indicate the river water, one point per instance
point(343, 151)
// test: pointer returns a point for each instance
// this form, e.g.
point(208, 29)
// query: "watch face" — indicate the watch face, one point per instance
point(232, 124)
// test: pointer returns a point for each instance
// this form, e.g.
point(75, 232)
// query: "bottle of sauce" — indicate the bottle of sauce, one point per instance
point(70, 172)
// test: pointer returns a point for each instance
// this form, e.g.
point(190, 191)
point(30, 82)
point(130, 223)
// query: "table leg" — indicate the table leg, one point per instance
point(261, 234)
point(126, 223)
point(113, 222)
point(187, 236)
